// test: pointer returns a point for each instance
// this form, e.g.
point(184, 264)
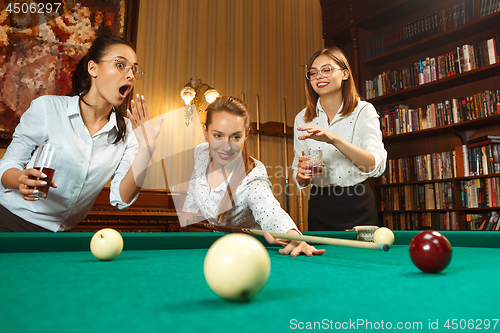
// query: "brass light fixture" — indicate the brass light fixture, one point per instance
point(191, 93)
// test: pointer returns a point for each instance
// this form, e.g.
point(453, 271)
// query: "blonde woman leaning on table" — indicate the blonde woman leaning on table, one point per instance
point(229, 187)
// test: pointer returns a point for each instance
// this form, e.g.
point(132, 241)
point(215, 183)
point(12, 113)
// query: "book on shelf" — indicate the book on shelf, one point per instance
point(492, 51)
point(461, 159)
point(454, 163)
point(496, 158)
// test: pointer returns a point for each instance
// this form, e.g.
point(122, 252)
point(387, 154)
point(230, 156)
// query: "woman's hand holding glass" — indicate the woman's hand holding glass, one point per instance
point(304, 168)
point(27, 185)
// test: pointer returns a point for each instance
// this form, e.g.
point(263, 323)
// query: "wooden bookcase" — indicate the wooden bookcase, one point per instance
point(349, 23)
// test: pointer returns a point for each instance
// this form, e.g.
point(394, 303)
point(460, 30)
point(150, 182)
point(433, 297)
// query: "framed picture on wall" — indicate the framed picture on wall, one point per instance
point(42, 41)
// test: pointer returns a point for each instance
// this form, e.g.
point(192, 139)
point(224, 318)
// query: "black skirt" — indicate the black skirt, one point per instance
point(340, 208)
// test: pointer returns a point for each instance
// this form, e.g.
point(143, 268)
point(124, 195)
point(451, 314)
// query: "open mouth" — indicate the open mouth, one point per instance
point(124, 90)
point(322, 84)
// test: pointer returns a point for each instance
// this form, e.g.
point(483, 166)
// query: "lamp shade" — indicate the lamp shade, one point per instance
point(211, 94)
point(187, 94)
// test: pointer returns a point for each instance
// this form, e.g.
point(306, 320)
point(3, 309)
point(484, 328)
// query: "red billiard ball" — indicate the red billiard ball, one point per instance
point(430, 251)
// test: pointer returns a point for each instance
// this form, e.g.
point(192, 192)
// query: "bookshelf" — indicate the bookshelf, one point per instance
point(472, 76)
point(427, 44)
point(355, 32)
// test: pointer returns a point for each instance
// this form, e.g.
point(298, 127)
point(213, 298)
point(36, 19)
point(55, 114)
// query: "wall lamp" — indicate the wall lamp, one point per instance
point(191, 94)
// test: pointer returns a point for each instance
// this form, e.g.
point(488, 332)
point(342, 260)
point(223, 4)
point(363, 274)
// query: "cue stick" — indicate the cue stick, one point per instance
point(165, 175)
point(301, 199)
point(286, 159)
point(258, 128)
point(308, 239)
point(301, 212)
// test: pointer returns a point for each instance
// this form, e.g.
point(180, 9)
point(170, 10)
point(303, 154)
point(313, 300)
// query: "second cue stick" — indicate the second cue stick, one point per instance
point(301, 211)
point(165, 175)
point(308, 239)
point(301, 195)
point(286, 159)
point(258, 129)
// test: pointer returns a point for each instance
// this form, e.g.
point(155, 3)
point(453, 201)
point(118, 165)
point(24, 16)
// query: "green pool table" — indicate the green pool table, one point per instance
point(52, 283)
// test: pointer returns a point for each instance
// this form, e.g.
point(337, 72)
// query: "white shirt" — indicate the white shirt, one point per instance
point(85, 165)
point(254, 207)
point(361, 128)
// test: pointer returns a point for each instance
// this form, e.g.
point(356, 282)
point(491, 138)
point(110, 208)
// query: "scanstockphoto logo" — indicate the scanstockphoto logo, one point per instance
point(172, 163)
point(279, 188)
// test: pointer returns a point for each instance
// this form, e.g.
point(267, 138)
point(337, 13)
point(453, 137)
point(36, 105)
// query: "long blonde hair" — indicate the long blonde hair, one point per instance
point(350, 94)
point(238, 108)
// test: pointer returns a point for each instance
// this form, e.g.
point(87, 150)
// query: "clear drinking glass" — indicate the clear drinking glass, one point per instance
point(316, 158)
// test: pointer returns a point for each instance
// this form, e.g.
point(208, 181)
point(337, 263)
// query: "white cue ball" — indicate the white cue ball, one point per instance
point(383, 236)
point(237, 266)
point(106, 244)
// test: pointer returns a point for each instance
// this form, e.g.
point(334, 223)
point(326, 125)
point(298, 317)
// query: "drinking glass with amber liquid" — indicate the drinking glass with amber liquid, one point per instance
point(46, 160)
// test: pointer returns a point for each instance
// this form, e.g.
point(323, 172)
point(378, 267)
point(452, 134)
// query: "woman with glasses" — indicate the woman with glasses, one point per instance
point(347, 130)
point(97, 144)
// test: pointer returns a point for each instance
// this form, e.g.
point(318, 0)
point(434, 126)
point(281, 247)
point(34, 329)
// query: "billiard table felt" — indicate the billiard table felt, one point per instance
point(157, 285)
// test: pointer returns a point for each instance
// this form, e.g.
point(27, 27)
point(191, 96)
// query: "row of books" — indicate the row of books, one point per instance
point(417, 197)
point(421, 220)
point(485, 222)
point(401, 119)
point(459, 60)
point(487, 7)
point(428, 25)
point(418, 168)
point(441, 221)
point(480, 192)
point(478, 157)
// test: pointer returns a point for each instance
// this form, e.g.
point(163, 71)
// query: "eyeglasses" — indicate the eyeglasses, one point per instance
point(123, 66)
point(325, 71)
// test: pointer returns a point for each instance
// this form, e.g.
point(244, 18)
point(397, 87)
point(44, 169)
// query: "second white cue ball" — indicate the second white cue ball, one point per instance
point(106, 244)
point(383, 236)
point(237, 266)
